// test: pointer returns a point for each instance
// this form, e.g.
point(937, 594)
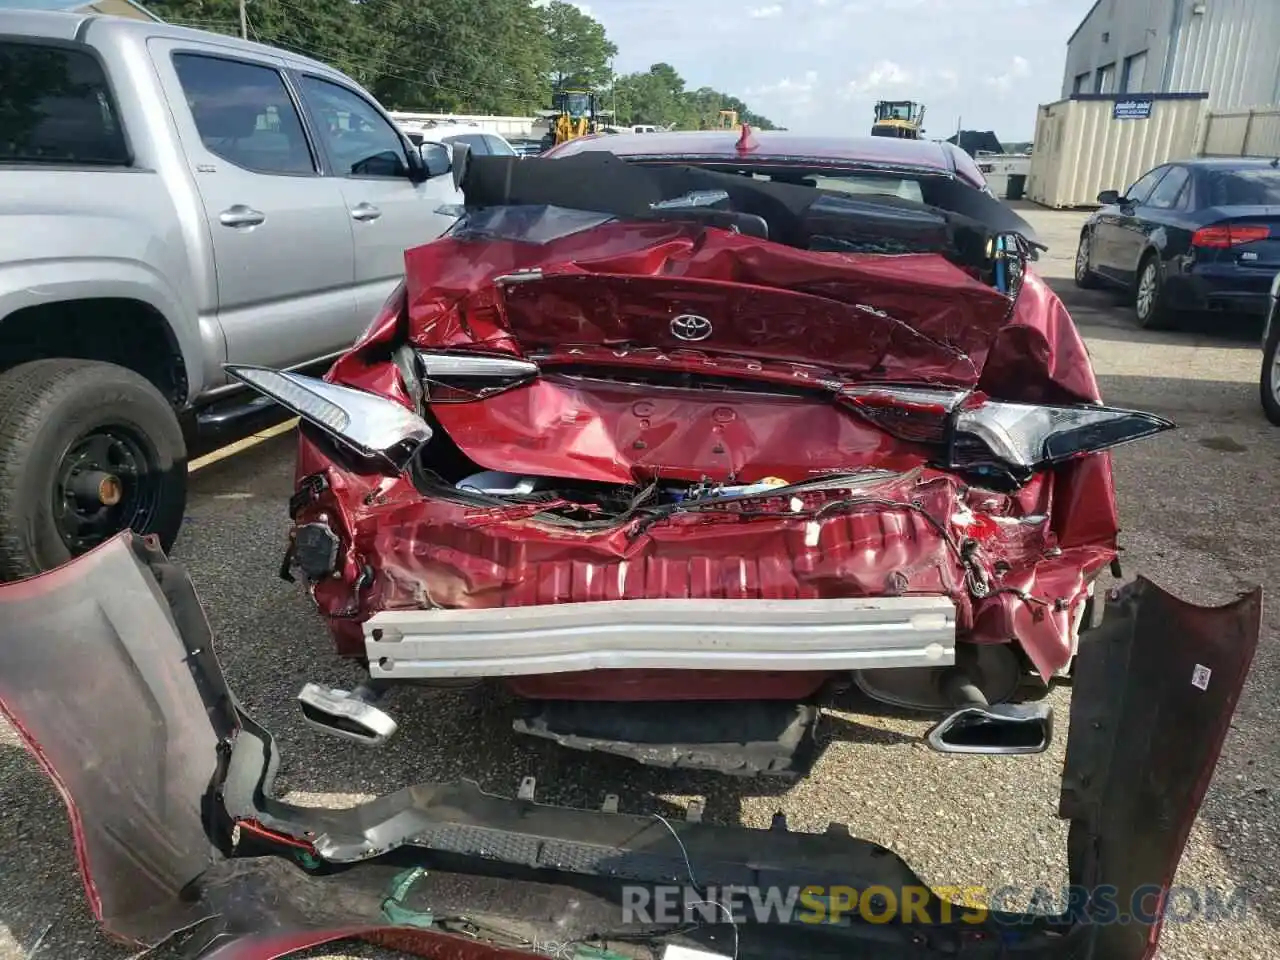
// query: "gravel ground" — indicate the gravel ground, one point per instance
point(1195, 505)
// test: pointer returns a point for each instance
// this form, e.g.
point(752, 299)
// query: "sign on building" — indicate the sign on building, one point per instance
point(1132, 108)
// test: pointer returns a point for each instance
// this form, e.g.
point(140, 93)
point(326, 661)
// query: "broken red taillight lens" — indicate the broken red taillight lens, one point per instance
point(1223, 236)
point(460, 377)
point(917, 414)
point(991, 437)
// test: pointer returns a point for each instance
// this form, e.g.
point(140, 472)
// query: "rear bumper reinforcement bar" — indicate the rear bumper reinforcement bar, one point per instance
point(840, 634)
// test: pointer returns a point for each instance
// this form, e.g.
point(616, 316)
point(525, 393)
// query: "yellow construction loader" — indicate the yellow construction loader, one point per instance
point(575, 115)
point(901, 119)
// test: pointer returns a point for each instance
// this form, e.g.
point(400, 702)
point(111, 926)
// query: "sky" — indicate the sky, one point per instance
point(820, 65)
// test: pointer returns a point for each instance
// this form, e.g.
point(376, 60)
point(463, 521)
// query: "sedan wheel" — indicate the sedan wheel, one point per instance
point(1153, 313)
point(1085, 277)
point(1270, 379)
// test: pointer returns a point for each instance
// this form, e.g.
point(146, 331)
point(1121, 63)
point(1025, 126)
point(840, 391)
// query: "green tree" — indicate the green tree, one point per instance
point(328, 30)
point(464, 56)
point(447, 55)
point(658, 96)
point(578, 47)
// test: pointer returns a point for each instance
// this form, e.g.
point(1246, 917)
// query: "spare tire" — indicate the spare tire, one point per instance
point(87, 449)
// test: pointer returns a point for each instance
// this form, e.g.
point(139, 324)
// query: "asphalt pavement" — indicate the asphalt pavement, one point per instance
point(1198, 507)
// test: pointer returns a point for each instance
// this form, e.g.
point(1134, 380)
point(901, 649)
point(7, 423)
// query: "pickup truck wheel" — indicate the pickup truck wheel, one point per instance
point(87, 449)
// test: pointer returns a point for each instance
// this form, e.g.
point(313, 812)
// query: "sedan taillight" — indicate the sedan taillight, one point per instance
point(974, 434)
point(451, 377)
point(1223, 236)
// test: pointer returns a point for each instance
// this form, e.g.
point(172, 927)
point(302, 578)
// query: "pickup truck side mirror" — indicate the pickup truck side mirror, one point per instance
point(435, 159)
point(1110, 198)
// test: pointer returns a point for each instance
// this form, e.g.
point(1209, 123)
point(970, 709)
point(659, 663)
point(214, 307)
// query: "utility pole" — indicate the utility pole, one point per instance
point(244, 20)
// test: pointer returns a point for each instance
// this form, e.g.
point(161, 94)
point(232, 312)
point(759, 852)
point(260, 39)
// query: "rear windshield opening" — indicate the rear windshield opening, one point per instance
point(1245, 188)
point(854, 182)
point(55, 107)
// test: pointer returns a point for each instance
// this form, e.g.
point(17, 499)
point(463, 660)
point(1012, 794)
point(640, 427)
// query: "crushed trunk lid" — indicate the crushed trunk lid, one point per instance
point(592, 251)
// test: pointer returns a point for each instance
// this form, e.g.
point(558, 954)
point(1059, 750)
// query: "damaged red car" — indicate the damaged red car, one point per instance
point(671, 432)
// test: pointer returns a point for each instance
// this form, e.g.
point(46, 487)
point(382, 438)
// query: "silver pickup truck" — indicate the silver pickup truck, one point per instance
point(172, 200)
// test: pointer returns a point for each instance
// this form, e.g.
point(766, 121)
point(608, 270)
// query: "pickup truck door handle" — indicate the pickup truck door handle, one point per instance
point(365, 211)
point(241, 216)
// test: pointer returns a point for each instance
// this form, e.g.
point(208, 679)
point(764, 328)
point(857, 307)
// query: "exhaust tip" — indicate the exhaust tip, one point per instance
point(1006, 729)
point(345, 714)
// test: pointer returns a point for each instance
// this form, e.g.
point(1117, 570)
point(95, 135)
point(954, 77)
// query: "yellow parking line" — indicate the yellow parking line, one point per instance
point(232, 449)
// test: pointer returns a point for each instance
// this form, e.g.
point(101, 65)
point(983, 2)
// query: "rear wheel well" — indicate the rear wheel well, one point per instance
point(130, 333)
point(1149, 254)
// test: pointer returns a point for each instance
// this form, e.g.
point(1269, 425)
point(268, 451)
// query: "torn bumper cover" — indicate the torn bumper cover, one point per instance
point(168, 784)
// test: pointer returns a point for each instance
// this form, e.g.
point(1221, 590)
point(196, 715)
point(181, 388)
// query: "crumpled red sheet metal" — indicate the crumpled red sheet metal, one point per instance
point(905, 538)
point(915, 318)
point(1032, 352)
point(782, 316)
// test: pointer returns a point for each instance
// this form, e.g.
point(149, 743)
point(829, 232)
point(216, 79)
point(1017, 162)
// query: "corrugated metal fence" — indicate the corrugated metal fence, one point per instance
point(1242, 133)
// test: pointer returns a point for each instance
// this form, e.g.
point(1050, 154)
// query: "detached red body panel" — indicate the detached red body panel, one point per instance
point(792, 329)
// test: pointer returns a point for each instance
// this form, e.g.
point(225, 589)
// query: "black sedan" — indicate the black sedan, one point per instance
point(1197, 235)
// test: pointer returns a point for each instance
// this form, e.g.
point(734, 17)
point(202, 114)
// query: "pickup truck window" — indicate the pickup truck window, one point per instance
point(56, 108)
point(359, 140)
point(244, 114)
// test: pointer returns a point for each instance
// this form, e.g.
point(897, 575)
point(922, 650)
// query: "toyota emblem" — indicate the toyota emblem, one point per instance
point(690, 327)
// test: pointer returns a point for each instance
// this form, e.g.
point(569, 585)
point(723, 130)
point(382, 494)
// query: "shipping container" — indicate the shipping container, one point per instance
point(1095, 142)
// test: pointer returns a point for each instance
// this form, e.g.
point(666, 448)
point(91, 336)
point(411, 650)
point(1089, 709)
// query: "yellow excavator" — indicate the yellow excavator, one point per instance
point(901, 119)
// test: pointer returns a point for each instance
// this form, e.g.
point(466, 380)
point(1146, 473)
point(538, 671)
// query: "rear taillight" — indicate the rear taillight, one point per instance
point(1028, 436)
point(977, 435)
point(917, 414)
point(373, 426)
point(1223, 236)
point(459, 377)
